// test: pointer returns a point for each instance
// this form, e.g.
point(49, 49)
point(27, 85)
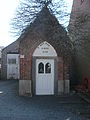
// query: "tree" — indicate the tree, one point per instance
point(28, 10)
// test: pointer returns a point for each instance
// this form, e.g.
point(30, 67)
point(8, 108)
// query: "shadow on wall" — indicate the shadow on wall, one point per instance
point(0, 73)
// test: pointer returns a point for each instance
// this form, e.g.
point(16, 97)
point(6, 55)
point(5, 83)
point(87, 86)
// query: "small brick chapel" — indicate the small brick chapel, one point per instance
point(44, 57)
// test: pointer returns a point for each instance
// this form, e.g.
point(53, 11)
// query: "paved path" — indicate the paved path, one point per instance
point(14, 107)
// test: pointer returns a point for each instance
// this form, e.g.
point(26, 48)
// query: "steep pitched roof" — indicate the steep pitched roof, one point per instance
point(47, 28)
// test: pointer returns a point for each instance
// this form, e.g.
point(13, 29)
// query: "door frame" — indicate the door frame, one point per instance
point(48, 78)
point(34, 74)
point(17, 64)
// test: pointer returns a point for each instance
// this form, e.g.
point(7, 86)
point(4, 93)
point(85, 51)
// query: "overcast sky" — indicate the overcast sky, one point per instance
point(7, 10)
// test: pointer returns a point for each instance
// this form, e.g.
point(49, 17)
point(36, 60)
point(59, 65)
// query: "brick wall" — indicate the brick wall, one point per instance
point(60, 68)
point(25, 69)
point(79, 31)
point(27, 46)
point(26, 64)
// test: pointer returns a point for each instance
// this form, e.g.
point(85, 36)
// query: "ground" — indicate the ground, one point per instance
point(15, 107)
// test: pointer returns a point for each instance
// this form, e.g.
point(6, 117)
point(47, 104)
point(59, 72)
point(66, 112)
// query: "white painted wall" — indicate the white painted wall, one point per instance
point(45, 49)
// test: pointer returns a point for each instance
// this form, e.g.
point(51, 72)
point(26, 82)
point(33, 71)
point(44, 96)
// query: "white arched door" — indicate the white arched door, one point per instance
point(44, 76)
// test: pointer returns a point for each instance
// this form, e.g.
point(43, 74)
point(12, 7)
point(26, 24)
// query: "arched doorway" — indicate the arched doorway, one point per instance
point(45, 76)
point(45, 69)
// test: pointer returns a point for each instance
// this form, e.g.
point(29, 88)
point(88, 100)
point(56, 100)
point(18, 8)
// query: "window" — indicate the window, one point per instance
point(41, 68)
point(11, 61)
point(48, 68)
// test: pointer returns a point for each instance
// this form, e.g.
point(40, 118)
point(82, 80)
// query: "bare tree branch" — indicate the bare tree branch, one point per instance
point(28, 10)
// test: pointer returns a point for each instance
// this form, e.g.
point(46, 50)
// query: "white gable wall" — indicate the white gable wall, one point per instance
point(45, 49)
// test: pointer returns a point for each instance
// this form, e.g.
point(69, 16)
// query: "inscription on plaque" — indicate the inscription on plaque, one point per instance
point(45, 49)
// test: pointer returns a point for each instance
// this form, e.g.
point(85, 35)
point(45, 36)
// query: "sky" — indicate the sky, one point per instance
point(7, 12)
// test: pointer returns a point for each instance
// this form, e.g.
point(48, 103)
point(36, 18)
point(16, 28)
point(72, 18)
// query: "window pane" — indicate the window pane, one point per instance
point(48, 68)
point(41, 68)
point(11, 61)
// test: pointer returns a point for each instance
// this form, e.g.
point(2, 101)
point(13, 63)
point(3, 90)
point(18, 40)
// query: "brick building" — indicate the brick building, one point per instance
point(79, 31)
point(44, 57)
point(40, 58)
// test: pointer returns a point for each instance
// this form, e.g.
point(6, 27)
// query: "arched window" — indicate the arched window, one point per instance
point(48, 68)
point(41, 68)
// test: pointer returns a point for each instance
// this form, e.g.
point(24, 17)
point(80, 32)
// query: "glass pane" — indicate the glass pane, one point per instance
point(41, 68)
point(11, 61)
point(48, 68)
